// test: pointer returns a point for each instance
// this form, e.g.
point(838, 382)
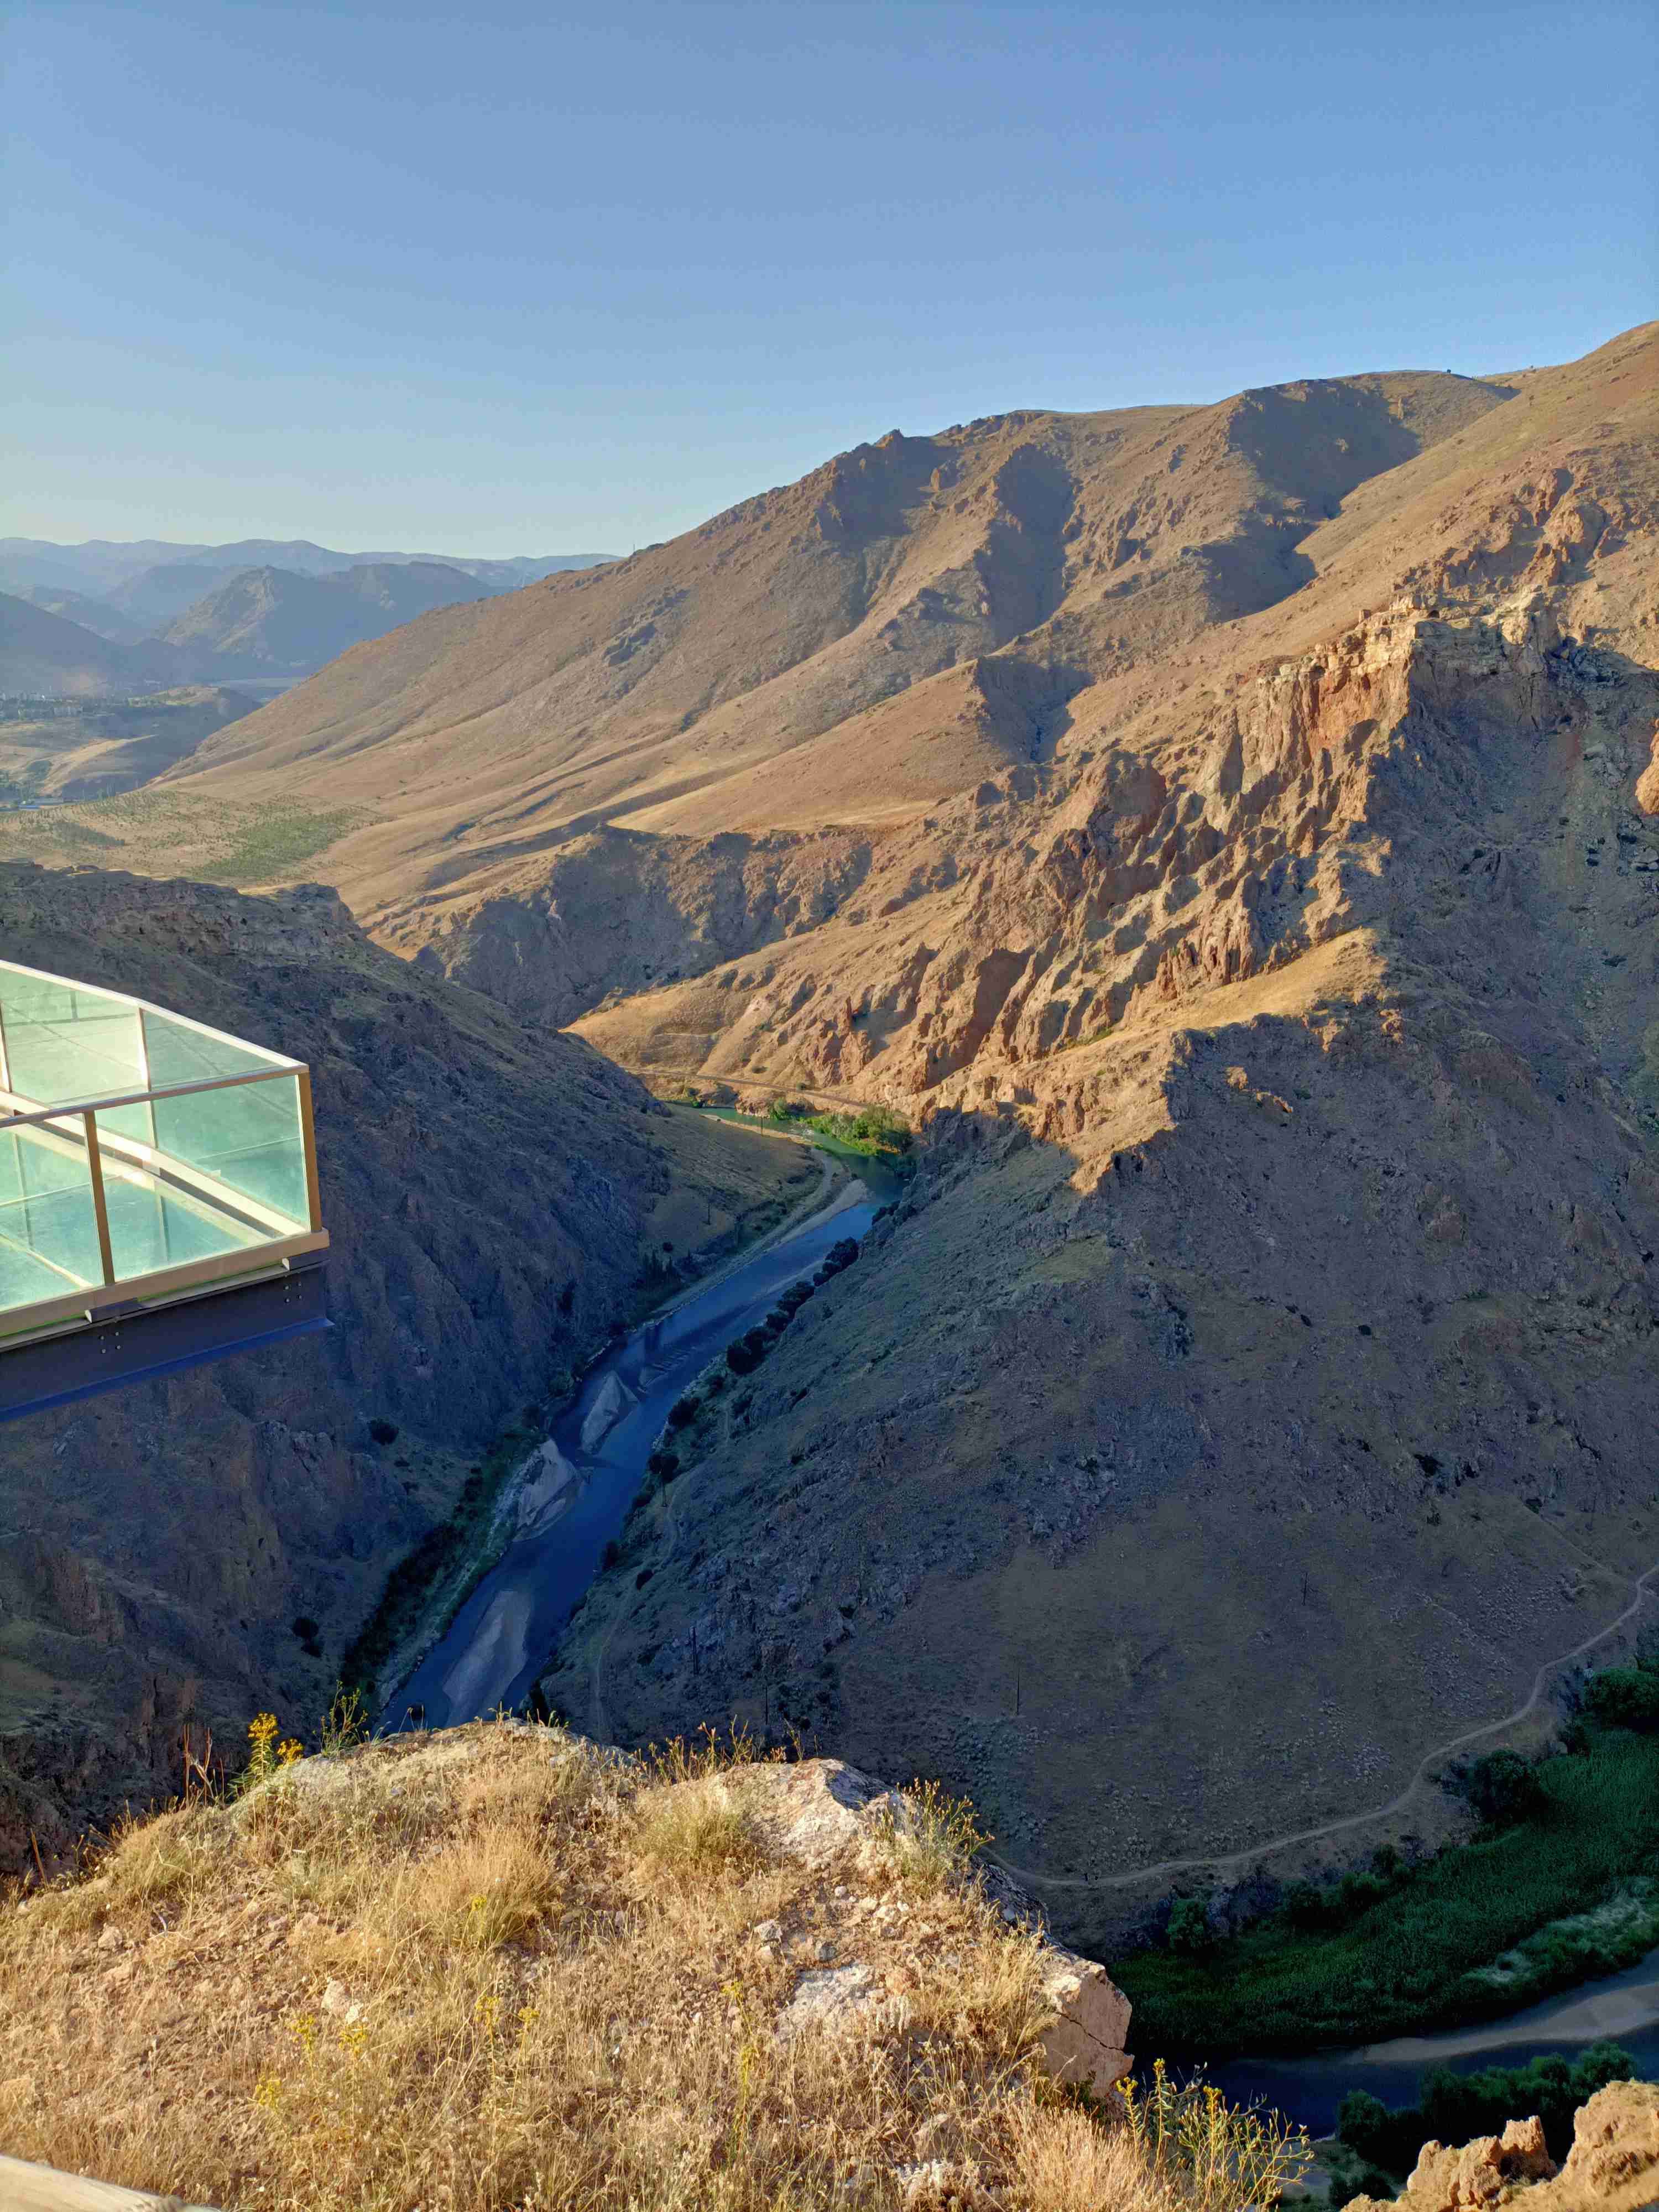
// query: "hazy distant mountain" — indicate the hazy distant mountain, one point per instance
point(154, 596)
point(278, 622)
point(101, 567)
point(101, 616)
point(41, 653)
point(221, 616)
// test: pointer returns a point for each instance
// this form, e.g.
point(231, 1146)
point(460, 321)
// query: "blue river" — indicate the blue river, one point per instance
point(500, 1640)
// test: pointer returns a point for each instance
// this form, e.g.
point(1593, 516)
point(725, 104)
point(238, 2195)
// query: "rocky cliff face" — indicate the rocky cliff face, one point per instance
point(1247, 1399)
point(1361, 784)
point(487, 1192)
point(616, 913)
point(1252, 1408)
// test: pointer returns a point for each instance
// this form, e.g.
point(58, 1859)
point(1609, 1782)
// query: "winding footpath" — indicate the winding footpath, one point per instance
point(1238, 1861)
point(1228, 1863)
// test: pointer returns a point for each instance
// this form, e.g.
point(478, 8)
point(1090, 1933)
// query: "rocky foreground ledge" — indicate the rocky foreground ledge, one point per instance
point(830, 1817)
point(502, 1965)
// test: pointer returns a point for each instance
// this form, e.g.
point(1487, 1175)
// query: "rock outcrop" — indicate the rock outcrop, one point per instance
point(826, 1815)
point(1612, 2166)
point(25, 2187)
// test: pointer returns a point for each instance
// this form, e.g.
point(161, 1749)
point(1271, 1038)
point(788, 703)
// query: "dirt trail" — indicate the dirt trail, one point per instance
point(1237, 1862)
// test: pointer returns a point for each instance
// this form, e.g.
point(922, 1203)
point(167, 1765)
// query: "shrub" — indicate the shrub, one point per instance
point(1455, 2107)
point(1307, 1907)
point(1503, 1790)
point(1189, 1934)
point(684, 1410)
point(934, 1837)
point(693, 1828)
point(1625, 1697)
point(1214, 2155)
point(347, 1722)
point(383, 1431)
point(1356, 1893)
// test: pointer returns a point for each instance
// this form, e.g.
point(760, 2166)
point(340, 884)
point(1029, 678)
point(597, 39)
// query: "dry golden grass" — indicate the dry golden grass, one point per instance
point(499, 1967)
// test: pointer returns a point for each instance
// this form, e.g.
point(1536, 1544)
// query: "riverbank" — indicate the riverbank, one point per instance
point(428, 1589)
point(1562, 1892)
point(592, 1464)
point(1622, 2009)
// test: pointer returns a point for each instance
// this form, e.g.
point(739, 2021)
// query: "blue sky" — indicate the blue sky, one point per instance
point(510, 279)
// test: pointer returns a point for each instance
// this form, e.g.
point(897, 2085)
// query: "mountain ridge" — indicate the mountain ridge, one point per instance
point(849, 607)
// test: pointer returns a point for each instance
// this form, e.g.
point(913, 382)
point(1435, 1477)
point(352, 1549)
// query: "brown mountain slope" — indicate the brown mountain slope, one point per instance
point(1255, 1395)
point(490, 1206)
point(547, 745)
point(979, 929)
point(1258, 1390)
point(632, 693)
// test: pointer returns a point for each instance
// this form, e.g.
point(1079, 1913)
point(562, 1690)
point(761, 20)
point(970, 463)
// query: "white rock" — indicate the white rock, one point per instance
point(833, 1999)
point(939, 2137)
point(811, 1811)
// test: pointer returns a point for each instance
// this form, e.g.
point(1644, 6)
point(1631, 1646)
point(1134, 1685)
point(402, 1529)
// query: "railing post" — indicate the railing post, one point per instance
point(308, 1135)
point(143, 1072)
point(95, 1166)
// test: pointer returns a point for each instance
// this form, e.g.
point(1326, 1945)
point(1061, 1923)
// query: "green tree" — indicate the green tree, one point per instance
point(1190, 1935)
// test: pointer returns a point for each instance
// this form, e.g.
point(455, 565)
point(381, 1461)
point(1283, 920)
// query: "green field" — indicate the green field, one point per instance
point(1487, 1927)
point(166, 832)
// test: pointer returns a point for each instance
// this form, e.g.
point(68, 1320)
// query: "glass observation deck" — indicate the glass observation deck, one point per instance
point(158, 1192)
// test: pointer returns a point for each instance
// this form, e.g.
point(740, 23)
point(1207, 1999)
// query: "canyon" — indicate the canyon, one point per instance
point(1229, 836)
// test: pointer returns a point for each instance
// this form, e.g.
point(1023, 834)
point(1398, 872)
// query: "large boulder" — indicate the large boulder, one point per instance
point(1084, 2037)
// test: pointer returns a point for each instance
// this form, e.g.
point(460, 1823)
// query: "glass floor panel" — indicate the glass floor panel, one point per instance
point(25, 1280)
point(55, 1226)
point(151, 1228)
point(74, 1060)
